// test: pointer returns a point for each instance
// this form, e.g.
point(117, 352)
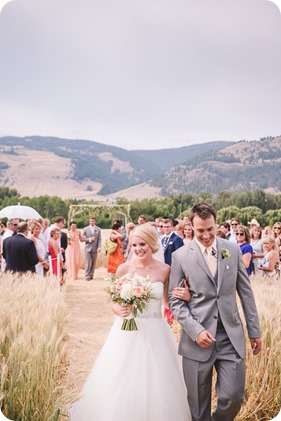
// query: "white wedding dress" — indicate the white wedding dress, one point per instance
point(137, 375)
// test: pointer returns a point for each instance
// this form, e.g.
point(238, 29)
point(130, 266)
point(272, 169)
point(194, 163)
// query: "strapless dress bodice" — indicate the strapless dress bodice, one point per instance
point(153, 308)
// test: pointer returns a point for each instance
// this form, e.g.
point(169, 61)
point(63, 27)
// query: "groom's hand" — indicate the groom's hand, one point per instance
point(205, 339)
point(256, 345)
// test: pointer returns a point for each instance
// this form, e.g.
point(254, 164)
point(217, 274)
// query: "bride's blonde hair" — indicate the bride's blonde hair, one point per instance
point(148, 234)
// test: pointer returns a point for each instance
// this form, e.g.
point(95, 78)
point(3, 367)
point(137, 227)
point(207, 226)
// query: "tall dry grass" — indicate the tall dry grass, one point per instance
point(263, 378)
point(32, 365)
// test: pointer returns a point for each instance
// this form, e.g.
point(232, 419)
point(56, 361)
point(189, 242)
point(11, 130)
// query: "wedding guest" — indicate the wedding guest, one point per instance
point(277, 236)
point(124, 240)
point(225, 226)
point(256, 243)
point(221, 233)
point(212, 331)
point(267, 231)
point(187, 233)
point(159, 255)
point(19, 251)
point(137, 375)
point(73, 253)
point(234, 222)
point(59, 224)
point(11, 230)
point(268, 264)
point(243, 239)
point(129, 229)
point(179, 228)
point(55, 253)
point(170, 241)
point(141, 220)
point(115, 259)
point(35, 230)
point(3, 226)
point(253, 223)
point(92, 237)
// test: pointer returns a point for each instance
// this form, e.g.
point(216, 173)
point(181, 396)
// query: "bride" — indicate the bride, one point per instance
point(137, 375)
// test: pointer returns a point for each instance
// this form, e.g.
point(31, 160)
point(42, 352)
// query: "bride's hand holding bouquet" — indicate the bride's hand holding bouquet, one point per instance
point(132, 292)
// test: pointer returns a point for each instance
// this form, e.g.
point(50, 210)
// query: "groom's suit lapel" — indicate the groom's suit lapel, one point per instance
point(222, 264)
point(198, 256)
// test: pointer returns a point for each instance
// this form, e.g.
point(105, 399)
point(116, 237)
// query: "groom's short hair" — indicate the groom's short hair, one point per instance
point(203, 210)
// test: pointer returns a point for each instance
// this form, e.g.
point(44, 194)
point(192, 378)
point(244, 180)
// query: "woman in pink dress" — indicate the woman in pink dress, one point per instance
point(55, 253)
point(73, 251)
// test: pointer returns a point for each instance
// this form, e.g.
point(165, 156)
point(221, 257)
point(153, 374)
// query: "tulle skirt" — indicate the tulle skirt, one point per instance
point(136, 377)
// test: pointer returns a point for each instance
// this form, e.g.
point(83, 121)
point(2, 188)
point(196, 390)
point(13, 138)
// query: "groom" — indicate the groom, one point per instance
point(212, 331)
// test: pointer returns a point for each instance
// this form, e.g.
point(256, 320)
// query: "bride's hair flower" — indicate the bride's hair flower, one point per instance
point(130, 289)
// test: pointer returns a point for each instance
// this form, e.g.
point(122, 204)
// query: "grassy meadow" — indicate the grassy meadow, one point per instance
point(33, 362)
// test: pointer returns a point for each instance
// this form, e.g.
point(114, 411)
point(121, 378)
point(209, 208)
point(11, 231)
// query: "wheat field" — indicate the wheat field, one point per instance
point(33, 362)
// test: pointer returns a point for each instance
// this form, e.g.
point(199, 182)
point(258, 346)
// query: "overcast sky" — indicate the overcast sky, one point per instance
point(146, 74)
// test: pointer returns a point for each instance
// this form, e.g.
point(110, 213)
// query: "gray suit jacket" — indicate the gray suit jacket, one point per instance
point(86, 236)
point(208, 299)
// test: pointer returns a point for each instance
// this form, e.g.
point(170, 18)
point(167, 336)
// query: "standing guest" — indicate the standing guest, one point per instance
point(170, 241)
point(225, 227)
point(20, 252)
point(234, 222)
point(256, 243)
point(212, 331)
point(267, 231)
point(277, 237)
point(160, 229)
point(179, 229)
point(74, 238)
point(11, 229)
point(159, 255)
point(253, 223)
point(221, 233)
point(3, 227)
point(55, 252)
point(268, 264)
point(141, 220)
point(92, 237)
point(129, 229)
point(243, 240)
point(35, 230)
point(115, 259)
point(59, 223)
point(124, 241)
point(187, 233)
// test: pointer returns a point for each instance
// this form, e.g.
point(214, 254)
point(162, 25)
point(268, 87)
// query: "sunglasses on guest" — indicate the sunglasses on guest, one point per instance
point(240, 234)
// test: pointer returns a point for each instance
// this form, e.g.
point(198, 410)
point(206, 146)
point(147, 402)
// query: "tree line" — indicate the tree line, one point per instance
point(258, 204)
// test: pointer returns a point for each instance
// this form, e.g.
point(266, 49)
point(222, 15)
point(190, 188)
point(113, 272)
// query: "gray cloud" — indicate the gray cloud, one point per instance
point(147, 74)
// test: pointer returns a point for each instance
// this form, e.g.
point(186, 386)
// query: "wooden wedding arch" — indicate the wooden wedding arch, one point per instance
point(111, 209)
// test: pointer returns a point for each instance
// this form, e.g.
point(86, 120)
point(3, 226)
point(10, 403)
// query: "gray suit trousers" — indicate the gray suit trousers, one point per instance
point(230, 385)
point(90, 263)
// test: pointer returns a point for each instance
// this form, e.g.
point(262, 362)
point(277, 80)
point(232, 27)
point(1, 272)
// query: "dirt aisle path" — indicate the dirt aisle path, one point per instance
point(90, 318)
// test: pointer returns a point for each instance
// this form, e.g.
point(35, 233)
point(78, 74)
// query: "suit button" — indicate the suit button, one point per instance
point(215, 317)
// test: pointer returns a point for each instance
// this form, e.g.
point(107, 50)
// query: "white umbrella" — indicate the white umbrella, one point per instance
point(20, 212)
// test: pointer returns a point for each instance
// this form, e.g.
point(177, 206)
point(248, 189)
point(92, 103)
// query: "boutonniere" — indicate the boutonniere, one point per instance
point(225, 254)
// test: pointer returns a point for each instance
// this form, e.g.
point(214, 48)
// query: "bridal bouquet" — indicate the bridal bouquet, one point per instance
point(130, 289)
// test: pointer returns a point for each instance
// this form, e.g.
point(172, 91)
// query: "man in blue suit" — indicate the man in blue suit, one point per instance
point(170, 241)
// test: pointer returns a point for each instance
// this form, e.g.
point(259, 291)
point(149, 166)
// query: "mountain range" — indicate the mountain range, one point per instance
point(37, 165)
